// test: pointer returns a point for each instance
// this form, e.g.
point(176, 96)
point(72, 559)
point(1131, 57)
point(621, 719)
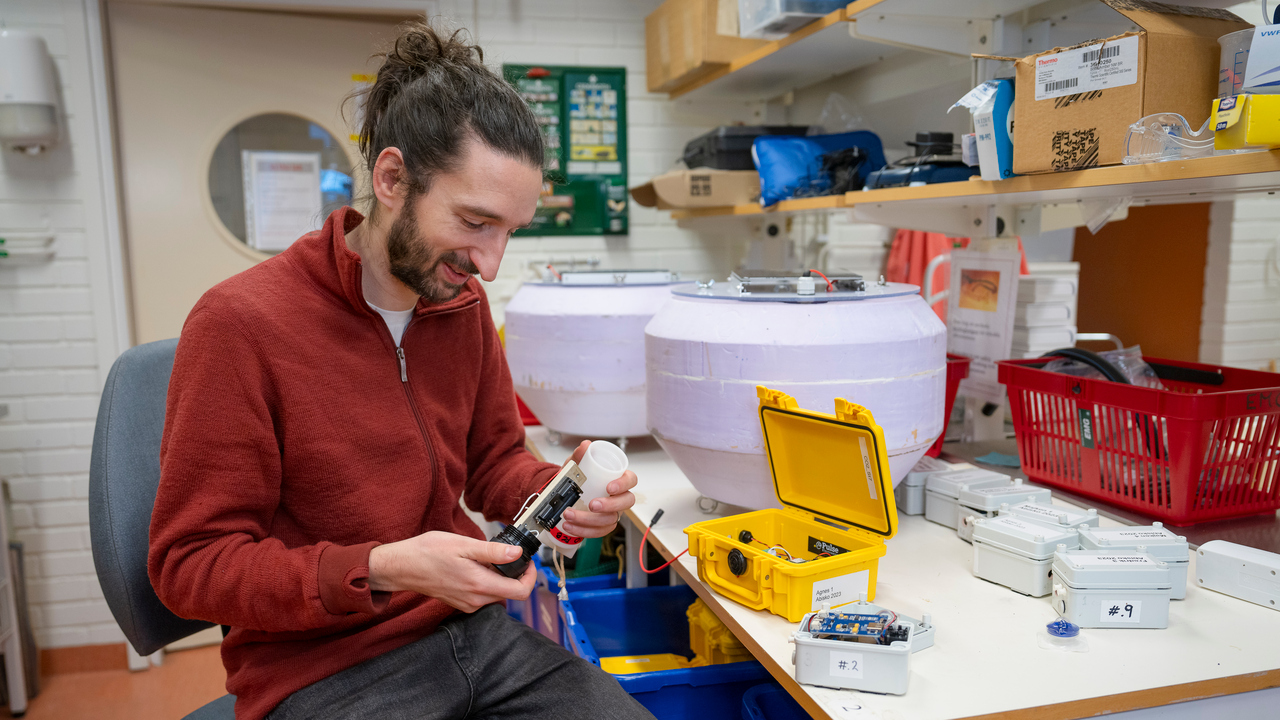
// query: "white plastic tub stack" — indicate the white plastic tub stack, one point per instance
point(576, 351)
point(706, 355)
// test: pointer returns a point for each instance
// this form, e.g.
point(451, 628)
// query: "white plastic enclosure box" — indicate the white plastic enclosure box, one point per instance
point(981, 502)
point(1018, 553)
point(942, 492)
point(1242, 572)
point(1104, 589)
point(1055, 514)
point(1159, 542)
point(909, 494)
point(867, 667)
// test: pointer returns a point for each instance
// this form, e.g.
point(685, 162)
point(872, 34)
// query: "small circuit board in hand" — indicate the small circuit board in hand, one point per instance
point(879, 629)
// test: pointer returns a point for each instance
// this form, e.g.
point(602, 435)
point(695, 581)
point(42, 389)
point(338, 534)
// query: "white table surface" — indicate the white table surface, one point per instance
point(985, 659)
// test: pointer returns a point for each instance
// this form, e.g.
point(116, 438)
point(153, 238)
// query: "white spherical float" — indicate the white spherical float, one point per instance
point(575, 346)
point(711, 344)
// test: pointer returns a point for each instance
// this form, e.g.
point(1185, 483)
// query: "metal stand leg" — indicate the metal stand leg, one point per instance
point(635, 576)
point(13, 669)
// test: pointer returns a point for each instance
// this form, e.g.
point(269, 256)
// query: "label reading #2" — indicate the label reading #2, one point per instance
point(1109, 64)
point(841, 589)
point(846, 664)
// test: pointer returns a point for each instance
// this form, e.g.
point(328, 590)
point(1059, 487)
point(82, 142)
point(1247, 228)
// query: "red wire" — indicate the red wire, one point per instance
point(553, 270)
point(830, 287)
point(645, 539)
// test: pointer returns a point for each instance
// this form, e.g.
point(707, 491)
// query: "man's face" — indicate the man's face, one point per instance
point(461, 225)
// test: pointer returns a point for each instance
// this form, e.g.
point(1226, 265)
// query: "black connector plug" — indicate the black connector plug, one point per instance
point(656, 516)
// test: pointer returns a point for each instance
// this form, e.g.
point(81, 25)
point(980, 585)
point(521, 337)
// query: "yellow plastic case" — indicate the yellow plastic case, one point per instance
point(1246, 121)
point(832, 474)
point(711, 640)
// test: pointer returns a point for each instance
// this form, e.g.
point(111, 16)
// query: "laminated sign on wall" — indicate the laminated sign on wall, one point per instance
point(582, 112)
point(282, 199)
point(980, 314)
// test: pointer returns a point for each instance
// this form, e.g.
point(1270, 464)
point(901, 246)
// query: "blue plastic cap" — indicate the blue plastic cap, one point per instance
point(1062, 628)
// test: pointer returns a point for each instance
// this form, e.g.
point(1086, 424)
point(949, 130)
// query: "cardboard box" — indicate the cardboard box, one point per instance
point(1073, 106)
point(704, 187)
point(682, 43)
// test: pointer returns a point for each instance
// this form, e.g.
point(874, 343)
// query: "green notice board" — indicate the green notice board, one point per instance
point(583, 114)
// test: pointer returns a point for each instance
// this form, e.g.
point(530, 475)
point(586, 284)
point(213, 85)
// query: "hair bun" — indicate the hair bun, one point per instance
point(420, 46)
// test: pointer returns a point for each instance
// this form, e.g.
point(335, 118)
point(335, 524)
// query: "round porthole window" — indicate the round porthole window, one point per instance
point(276, 177)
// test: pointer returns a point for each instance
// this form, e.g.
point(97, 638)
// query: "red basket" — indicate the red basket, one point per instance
point(957, 370)
point(1207, 448)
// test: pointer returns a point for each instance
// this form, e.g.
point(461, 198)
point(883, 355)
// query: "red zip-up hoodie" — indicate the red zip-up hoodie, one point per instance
point(298, 436)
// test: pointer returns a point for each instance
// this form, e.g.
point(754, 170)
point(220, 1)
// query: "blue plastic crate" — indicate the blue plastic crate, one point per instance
point(652, 620)
point(771, 702)
point(545, 612)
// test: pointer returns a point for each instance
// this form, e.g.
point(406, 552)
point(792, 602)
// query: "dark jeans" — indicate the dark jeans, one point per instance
point(483, 665)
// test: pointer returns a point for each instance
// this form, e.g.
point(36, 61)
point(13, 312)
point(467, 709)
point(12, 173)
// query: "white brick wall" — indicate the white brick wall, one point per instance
point(1240, 321)
point(609, 33)
point(59, 331)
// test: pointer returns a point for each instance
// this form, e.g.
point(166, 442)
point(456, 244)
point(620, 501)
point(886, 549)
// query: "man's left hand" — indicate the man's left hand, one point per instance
point(605, 511)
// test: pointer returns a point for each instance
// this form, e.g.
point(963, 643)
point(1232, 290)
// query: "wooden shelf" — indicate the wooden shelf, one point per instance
point(869, 31)
point(822, 49)
point(814, 204)
point(1199, 180)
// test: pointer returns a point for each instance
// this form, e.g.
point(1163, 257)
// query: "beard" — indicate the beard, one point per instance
point(414, 262)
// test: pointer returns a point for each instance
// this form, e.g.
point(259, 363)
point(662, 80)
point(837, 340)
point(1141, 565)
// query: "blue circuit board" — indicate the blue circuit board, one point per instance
point(848, 625)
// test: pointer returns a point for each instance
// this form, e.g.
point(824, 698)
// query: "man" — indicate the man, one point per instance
point(328, 408)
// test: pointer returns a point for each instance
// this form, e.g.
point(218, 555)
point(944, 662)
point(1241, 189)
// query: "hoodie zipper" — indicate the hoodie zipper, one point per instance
point(404, 380)
point(413, 406)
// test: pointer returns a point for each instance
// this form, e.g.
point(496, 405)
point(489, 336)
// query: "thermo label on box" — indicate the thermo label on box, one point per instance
point(846, 664)
point(841, 589)
point(1110, 560)
point(1119, 610)
point(1109, 64)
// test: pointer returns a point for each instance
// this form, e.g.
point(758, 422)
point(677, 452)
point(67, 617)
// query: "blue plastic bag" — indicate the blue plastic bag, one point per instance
point(790, 164)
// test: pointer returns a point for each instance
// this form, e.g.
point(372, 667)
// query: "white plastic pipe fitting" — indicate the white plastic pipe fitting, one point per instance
point(603, 463)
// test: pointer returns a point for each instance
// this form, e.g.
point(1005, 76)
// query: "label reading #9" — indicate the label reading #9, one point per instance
point(1119, 610)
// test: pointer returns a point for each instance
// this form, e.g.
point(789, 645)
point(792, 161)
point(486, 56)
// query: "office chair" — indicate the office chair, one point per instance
point(124, 472)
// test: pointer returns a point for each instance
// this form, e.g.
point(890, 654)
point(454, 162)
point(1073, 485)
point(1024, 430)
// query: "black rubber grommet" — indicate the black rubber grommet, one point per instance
point(737, 562)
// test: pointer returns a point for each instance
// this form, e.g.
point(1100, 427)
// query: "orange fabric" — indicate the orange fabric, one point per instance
point(911, 252)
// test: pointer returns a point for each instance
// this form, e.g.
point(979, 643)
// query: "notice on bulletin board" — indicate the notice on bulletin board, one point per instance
point(582, 112)
point(282, 199)
point(980, 314)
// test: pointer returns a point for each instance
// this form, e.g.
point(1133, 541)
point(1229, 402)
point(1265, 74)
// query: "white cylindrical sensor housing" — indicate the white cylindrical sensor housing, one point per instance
point(603, 463)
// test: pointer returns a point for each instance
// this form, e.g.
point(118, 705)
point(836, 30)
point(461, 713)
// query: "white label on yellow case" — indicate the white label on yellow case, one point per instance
point(1121, 611)
point(866, 468)
point(841, 589)
point(846, 664)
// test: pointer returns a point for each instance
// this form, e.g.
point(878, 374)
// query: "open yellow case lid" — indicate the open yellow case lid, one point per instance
point(835, 466)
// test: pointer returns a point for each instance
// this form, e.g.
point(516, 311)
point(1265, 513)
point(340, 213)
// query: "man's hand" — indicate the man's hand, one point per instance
point(606, 511)
point(452, 568)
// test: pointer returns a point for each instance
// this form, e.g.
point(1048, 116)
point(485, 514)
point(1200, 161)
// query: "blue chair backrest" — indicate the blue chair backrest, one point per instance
point(124, 473)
